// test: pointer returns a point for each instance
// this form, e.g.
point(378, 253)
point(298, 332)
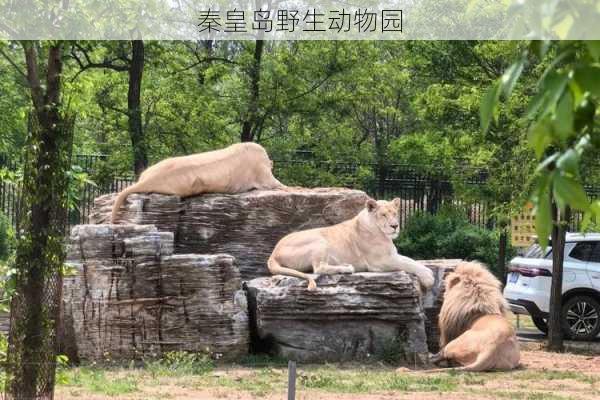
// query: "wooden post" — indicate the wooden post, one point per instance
point(291, 380)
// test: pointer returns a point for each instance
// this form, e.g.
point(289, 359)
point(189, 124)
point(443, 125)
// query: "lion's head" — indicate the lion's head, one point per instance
point(471, 291)
point(385, 215)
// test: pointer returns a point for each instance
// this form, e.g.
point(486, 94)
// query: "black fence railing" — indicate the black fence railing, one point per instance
point(418, 191)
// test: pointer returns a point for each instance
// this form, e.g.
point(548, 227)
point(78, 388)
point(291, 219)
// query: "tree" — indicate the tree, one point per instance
point(564, 126)
point(40, 252)
point(133, 64)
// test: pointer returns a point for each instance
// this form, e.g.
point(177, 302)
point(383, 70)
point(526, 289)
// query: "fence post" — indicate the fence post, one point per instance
point(291, 380)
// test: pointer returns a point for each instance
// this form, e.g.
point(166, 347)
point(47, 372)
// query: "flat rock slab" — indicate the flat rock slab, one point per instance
point(348, 317)
point(130, 297)
point(246, 225)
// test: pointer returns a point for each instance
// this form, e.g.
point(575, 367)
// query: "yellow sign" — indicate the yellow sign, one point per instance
point(522, 228)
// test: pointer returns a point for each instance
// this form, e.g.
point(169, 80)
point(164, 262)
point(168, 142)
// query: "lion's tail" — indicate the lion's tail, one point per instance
point(120, 199)
point(483, 362)
point(277, 269)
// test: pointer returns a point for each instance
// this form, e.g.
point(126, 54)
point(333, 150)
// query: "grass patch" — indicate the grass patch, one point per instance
point(367, 381)
point(180, 363)
point(551, 375)
point(96, 381)
point(531, 396)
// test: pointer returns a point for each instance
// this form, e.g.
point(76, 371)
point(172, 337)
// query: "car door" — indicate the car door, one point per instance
point(575, 271)
point(593, 266)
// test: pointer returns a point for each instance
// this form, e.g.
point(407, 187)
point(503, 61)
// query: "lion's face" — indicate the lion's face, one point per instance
point(385, 214)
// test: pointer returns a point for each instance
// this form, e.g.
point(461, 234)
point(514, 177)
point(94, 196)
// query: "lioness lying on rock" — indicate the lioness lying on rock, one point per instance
point(238, 168)
point(474, 329)
point(361, 244)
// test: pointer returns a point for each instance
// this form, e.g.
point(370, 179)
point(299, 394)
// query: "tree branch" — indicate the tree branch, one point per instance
point(15, 66)
point(37, 93)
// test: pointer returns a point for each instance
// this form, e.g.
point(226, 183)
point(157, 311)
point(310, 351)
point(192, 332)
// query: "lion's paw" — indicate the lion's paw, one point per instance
point(312, 285)
point(427, 279)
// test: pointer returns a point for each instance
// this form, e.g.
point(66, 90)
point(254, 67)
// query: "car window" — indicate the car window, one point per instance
point(595, 256)
point(582, 251)
point(535, 251)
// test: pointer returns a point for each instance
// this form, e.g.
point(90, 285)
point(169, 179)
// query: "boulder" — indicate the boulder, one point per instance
point(348, 317)
point(130, 297)
point(246, 225)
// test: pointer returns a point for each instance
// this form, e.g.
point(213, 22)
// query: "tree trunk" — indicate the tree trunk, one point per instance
point(555, 334)
point(251, 121)
point(134, 110)
point(40, 251)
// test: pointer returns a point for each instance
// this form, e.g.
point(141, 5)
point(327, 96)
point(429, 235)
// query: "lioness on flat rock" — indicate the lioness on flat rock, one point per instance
point(361, 244)
point(235, 169)
point(474, 328)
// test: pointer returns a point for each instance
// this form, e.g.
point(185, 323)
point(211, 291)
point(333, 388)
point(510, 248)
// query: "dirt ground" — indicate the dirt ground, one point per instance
point(547, 376)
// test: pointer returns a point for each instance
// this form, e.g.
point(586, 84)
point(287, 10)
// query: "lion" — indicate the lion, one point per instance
point(238, 168)
point(361, 244)
point(474, 328)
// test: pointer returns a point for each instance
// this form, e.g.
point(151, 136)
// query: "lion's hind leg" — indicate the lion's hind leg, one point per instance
point(323, 268)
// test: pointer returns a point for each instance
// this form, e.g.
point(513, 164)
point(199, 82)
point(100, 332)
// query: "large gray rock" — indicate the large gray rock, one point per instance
point(130, 297)
point(246, 225)
point(348, 317)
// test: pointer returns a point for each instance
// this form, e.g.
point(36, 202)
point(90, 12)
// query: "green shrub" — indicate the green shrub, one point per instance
point(448, 234)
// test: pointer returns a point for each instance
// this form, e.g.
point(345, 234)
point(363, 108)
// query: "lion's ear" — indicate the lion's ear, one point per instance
point(452, 280)
point(396, 202)
point(371, 205)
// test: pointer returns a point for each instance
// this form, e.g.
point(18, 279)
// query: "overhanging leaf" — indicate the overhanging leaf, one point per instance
point(543, 218)
point(511, 76)
point(594, 48)
point(569, 163)
point(540, 137)
point(568, 191)
point(488, 106)
point(563, 121)
point(588, 79)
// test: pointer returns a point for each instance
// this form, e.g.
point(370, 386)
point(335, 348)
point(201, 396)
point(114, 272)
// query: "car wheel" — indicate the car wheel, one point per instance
point(581, 318)
point(541, 324)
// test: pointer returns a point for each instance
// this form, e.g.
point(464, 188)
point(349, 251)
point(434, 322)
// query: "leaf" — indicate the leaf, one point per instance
point(540, 137)
point(563, 120)
point(488, 106)
point(543, 217)
point(588, 79)
point(569, 162)
point(568, 191)
point(594, 48)
point(550, 91)
point(511, 76)
point(539, 47)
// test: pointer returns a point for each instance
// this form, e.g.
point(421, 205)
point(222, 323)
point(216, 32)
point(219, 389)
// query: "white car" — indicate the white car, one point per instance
point(528, 286)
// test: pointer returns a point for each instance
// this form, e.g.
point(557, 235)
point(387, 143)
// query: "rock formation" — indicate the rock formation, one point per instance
point(246, 225)
point(130, 297)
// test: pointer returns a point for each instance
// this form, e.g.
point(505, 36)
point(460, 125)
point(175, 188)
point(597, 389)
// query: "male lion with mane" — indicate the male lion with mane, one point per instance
point(474, 329)
point(363, 243)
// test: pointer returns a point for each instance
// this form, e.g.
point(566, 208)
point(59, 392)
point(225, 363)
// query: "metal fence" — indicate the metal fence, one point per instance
point(418, 191)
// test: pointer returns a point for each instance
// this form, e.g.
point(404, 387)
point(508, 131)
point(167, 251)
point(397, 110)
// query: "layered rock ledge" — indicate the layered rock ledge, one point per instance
point(246, 225)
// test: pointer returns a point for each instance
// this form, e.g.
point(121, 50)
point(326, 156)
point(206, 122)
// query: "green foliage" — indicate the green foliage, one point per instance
point(180, 363)
point(564, 115)
point(448, 234)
